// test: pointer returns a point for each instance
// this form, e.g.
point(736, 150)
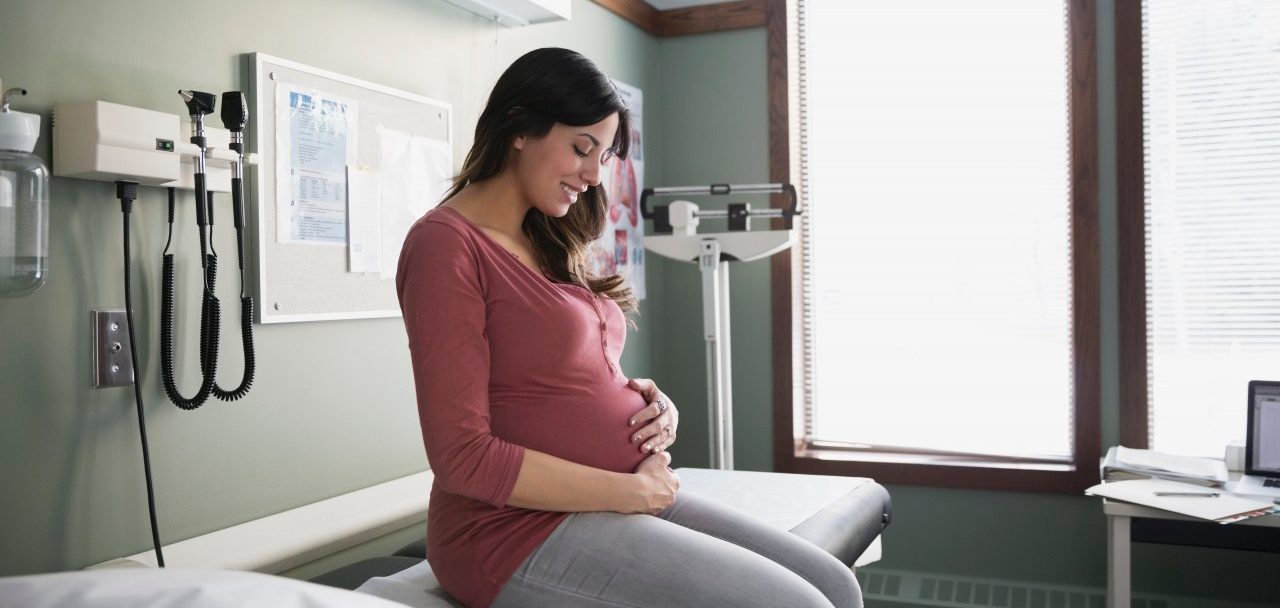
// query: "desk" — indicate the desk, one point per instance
point(1120, 516)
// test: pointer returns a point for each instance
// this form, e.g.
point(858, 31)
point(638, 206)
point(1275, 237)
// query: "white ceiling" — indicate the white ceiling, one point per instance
point(666, 5)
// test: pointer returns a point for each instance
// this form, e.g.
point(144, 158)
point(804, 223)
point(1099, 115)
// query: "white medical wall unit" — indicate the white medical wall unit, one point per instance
point(105, 141)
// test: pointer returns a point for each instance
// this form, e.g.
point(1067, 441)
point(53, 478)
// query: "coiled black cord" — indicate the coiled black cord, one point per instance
point(127, 192)
point(246, 313)
point(210, 313)
point(246, 334)
point(209, 322)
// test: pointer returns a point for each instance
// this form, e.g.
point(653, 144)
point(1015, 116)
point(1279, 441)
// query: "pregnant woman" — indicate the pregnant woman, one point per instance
point(552, 485)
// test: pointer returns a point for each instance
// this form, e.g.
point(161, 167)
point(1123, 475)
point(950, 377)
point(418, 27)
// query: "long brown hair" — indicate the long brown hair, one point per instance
point(542, 88)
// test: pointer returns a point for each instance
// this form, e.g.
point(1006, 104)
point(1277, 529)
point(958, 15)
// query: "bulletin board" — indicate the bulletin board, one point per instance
point(312, 282)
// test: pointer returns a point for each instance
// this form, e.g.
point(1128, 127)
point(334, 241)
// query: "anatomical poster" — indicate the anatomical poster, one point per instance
point(620, 250)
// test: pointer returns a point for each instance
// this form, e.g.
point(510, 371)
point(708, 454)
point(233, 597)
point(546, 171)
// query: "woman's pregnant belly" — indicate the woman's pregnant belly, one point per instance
point(586, 425)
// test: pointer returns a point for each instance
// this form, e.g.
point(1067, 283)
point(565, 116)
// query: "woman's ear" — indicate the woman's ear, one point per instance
point(520, 143)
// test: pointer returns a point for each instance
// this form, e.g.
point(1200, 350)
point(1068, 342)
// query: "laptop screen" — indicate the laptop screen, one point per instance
point(1262, 446)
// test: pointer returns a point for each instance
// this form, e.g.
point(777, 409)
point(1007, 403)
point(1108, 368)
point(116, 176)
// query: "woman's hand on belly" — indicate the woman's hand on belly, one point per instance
point(654, 427)
point(659, 483)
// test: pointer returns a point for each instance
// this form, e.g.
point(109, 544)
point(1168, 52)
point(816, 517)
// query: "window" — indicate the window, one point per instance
point(1200, 211)
point(946, 327)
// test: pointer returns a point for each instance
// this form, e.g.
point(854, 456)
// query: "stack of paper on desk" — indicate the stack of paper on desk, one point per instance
point(1208, 503)
point(1127, 463)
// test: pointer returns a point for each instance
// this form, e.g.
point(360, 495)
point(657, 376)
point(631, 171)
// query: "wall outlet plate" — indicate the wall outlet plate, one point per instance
point(112, 364)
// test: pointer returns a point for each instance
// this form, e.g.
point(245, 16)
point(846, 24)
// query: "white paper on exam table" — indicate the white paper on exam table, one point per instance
point(1223, 508)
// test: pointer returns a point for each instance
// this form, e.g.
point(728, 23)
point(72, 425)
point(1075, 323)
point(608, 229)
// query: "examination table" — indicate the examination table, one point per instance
point(842, 515)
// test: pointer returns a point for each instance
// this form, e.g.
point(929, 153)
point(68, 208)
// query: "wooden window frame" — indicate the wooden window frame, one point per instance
point(791, 453)
point(1131, 227)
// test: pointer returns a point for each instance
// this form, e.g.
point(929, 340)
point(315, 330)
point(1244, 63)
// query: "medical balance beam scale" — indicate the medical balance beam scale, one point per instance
point(675, 236)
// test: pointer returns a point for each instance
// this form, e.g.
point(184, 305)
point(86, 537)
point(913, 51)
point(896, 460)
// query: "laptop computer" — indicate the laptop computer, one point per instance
point(1262, 441)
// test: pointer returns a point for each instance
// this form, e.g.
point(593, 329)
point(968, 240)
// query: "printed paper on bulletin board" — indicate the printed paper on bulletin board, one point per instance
point(296, 280)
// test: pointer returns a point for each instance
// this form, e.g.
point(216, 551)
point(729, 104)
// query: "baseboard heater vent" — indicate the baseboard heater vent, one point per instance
point(904, 587)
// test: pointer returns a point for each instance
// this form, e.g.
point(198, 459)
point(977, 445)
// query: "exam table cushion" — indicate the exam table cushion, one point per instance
point(174, 588)
point(842, 515)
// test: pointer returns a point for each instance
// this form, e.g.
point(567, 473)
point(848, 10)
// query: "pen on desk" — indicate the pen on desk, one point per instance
point(1206, 494)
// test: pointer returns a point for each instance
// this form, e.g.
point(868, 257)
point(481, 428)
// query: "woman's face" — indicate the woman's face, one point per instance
point(554, 169)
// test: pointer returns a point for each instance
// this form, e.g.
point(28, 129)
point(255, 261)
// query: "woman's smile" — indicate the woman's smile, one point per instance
point(570, 193)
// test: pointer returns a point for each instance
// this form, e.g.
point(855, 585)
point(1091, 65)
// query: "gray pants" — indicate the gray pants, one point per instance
point(696, 553)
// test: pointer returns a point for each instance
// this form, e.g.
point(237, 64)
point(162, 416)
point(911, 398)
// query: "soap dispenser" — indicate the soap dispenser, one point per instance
point(24, 202)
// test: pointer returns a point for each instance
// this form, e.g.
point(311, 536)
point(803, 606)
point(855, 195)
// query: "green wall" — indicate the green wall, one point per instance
point(714, 126)
point(332, 409)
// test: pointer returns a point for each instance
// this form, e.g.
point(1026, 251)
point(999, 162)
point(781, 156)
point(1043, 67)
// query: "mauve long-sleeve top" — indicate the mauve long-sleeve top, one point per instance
point(504, 358)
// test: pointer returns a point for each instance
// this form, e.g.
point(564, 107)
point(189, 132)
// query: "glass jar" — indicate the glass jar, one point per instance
point(24, 202)
point(24, 222)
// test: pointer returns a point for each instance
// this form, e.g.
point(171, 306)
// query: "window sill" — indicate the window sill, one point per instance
point(942, 470)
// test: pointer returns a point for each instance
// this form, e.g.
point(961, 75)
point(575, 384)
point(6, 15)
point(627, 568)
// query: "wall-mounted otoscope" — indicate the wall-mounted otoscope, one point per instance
point(198, 105)
point(235, 116)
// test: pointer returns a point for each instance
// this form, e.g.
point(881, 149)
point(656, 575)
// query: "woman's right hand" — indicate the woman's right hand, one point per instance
point(658, 484)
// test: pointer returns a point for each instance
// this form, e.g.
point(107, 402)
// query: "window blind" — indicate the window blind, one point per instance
point(936, 253)
point(1211, 141)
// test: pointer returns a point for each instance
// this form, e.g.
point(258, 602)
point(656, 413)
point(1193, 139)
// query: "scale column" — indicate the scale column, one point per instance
point(715, 321)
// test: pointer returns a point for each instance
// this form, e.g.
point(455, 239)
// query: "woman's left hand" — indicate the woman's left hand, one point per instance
point(654, 427)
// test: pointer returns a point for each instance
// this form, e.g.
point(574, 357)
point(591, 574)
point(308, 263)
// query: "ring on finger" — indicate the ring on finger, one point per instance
point(662, 405)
